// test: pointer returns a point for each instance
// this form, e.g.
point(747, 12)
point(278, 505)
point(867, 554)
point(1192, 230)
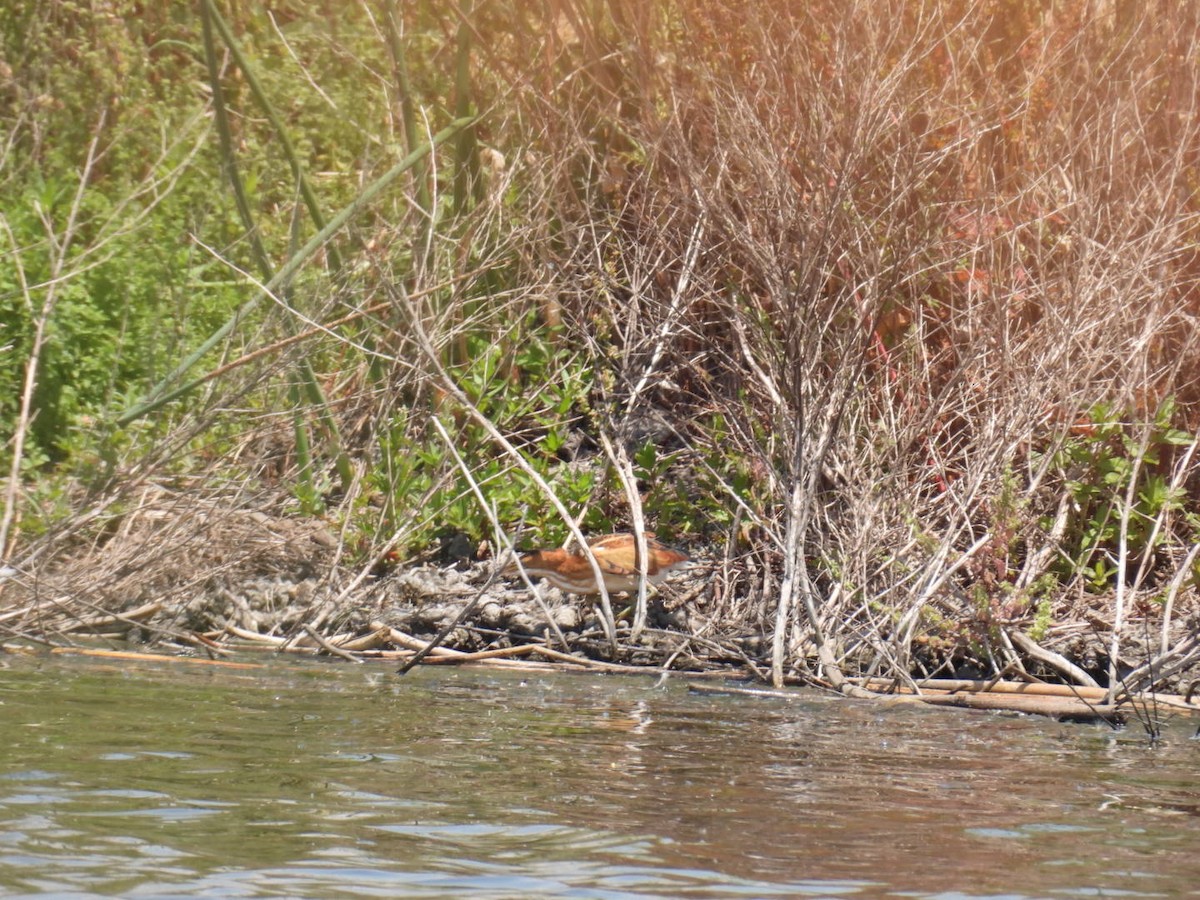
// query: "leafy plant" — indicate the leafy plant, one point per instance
point(1099, 464)
point(425, 491)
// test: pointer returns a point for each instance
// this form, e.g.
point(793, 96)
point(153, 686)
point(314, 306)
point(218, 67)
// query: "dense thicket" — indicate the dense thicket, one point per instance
point(888, 309)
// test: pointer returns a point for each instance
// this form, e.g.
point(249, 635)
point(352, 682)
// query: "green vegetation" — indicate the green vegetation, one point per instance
point(866, 303)
point(1112, 468)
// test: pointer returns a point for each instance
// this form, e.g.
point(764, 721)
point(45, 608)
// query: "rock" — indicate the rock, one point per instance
point(568, 618)
point(524, 623)
point(433, 617)
point(491, 615)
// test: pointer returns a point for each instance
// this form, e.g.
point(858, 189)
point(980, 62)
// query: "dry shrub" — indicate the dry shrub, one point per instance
point(906, 251)
point(166, 562)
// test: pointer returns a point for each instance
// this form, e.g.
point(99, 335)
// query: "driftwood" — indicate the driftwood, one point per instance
point(1057, 707)
point(1057, 701)
point(152, 657)
point(115, 621)
point(256, 637)
point(1055, 661)
point(947, 685)
point(1043, 699)
point(330, 647)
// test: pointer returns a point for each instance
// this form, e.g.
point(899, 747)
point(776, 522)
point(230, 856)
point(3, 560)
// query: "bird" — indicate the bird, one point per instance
point(616, 556)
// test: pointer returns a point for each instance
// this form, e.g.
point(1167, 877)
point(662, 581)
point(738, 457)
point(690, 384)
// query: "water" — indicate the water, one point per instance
point(311, 780)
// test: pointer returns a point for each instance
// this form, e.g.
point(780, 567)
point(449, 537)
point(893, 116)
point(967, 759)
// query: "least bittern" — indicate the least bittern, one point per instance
point(617, 558)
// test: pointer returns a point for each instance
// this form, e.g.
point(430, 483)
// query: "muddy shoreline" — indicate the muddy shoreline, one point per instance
point(401, 610)
point(187, 576)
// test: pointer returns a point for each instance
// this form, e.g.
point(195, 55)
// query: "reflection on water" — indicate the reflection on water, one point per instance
point(333, 781)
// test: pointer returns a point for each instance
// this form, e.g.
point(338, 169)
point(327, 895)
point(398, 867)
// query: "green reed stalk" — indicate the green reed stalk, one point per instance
point(209, 10)
point(408, 109)
point(466, 168)
point(308, 377)
point(162, 393)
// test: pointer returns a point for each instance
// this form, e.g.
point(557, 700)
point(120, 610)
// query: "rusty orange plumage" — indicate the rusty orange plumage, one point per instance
point(617, 557)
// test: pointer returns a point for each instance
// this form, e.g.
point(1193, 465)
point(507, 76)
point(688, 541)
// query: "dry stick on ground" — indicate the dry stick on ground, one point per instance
point(411, 643)
point(154, 657)
point(256, 636)
point(329, 647)
point(131, 618)
point(1040, 705)
point(497, 653)
point(497, 658)
point(988, 685)
point(1026, 689)
point(1032, 649)
point(370, 641)
point(208, 645)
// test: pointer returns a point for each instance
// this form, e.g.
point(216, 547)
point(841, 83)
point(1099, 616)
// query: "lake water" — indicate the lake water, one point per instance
point(331, 780)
